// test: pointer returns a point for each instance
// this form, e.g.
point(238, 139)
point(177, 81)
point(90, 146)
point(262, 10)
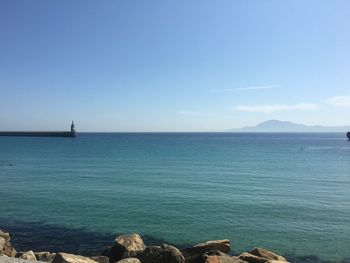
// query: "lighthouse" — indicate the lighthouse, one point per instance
point(72, 129)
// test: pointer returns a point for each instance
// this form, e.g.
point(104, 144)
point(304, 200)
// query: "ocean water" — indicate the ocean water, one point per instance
point(286, 192)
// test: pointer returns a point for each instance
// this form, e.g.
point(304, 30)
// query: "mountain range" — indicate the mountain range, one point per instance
point(286, 126)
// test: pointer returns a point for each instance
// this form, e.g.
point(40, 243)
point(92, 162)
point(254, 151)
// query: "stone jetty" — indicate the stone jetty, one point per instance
point(130, 248)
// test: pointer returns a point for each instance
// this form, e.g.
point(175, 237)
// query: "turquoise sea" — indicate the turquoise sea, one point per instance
point(285, 192)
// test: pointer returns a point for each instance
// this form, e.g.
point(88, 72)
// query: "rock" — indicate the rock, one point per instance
point(125, 246)
point(29, 255)
point(114, 253)
point(215, 256)
point(2, 243)
point(5, 235)
point(132, 242)
point(100, 259)
point(261, 252)
point(71, 258)
point(44, 256)
point(6, 247)
point(9, 250)
point(252, 258)
point(161, 254)
point(193, 254)
point(129, 260)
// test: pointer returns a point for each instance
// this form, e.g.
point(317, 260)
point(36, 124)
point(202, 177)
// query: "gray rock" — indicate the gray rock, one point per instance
point(161, 254)
point(193, 254)
point(261, 252)
point(71, 258)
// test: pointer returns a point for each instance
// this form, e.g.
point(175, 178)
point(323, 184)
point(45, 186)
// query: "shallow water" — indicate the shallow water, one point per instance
point(286, 192)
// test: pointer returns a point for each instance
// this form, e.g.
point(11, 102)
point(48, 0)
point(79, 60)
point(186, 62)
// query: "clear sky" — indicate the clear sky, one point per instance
point(184, 65)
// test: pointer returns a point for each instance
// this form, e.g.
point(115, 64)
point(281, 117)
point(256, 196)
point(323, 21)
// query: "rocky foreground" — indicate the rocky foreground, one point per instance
point(131, 249)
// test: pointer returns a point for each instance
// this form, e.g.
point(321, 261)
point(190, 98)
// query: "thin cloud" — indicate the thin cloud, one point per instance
point(248, 88)
point(194, 113)
point(276, 107)
point(340, 101)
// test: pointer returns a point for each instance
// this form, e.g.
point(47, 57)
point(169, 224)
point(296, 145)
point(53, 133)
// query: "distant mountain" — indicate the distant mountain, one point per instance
point(286, 126)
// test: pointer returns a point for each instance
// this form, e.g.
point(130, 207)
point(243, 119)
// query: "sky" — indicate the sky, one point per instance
point(184, 65)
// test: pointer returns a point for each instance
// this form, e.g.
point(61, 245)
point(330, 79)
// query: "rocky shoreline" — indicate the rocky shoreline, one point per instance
point(131, 248)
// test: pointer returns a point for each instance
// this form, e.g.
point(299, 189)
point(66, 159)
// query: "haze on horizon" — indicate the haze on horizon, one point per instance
point(173, 65)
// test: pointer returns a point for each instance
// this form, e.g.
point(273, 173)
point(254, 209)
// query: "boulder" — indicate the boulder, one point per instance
point(9, 250)
point(161, 254)
point(6, 247)
point(261, 252)
point(71, 258)
point(193, 254)
point(129, 260)
point(44, 256)
point(252, 258)
point(100, 259)
point(5, 235)
point(125, 246)
point(132, 242)
point(215, 256)
point(2, 243)
point(29, 255)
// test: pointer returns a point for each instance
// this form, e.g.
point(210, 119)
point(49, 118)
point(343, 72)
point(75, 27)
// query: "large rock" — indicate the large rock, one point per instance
point(100, 259)
point(132, 242)
point(2, 243)
point(125, 246)
point(161, 254)
point(71, 258)
point(44, 256)
point(252, 258)
point(6, 247)
point(261, 252)
point(29, 255)
point(193, 254)
point(216, 256)
point(129, 260)
point(5, 235)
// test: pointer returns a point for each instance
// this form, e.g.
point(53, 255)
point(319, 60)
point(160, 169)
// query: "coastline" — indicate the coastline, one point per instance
point(130, 248)
point(88, 250)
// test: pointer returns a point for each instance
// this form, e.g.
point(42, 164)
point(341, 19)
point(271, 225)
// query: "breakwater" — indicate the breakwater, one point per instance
point(38, 133)
point(71, 133)
point(131, 248)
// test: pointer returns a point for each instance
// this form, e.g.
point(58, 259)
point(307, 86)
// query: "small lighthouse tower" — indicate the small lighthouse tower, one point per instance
point(72, 129)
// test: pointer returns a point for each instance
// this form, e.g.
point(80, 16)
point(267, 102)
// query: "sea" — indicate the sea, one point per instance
point(287, 192)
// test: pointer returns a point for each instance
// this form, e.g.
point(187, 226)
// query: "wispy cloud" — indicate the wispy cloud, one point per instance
point(340, 101)
point(276, 107)
point(194, 113)
point(247, 88)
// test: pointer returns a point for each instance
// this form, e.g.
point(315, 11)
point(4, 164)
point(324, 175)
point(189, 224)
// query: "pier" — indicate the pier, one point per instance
point(71, 133)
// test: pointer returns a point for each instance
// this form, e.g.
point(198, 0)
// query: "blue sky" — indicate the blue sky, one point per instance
point(173, 65)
